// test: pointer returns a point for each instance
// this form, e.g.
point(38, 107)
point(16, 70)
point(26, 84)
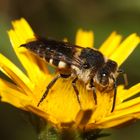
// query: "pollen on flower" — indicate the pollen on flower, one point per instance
point(61, 106)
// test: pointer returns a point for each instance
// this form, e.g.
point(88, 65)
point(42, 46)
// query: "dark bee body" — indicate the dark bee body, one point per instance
point(53, 52)
point(85, 64)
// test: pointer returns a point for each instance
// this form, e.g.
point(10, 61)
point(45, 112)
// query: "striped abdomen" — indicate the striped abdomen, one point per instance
point(56, 53)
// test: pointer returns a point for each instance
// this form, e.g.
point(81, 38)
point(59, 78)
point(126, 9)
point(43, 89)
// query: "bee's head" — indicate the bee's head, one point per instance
point(103, 77)
point(106, 74)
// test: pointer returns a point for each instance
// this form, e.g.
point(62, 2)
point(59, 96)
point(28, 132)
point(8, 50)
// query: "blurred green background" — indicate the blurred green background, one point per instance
point(59, 19)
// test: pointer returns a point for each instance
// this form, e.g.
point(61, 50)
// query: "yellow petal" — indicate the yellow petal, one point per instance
point(130, 103)
point(12, 95)
point(15, 74)
point(120, 91)
point(125, 94)
point(110, 44)
point(42, 114)
point(114, 122)
point(62, 96)
point(125, 49)
point(84, 38)
point(126, 111)
point(35, 67)
point(23, 29)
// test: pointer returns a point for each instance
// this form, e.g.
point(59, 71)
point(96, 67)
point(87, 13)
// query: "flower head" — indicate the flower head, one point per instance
point(60, 107)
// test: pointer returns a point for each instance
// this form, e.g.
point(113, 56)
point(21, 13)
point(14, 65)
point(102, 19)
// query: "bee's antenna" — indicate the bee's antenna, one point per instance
point(115, 94)
point(120, 71)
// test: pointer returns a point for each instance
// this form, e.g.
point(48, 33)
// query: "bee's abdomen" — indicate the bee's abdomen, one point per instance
point(56, 53)
point(57, 63)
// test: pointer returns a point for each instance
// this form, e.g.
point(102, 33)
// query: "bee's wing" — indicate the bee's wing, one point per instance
point(52, 49)
point(62, 57)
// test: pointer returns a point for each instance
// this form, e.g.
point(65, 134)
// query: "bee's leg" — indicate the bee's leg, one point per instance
point(115, 93)
point(76, 90)
point(125, 78)
point(48, 88)
point(94, 90)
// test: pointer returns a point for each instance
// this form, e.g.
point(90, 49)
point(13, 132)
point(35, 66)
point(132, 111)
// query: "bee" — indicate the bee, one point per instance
point(84, 64)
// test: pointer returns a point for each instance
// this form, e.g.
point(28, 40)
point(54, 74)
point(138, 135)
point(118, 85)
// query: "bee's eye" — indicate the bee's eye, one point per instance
point(104, 79)
point(103, 75)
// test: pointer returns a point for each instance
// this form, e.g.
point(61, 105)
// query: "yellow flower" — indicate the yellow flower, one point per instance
point(60, 106)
